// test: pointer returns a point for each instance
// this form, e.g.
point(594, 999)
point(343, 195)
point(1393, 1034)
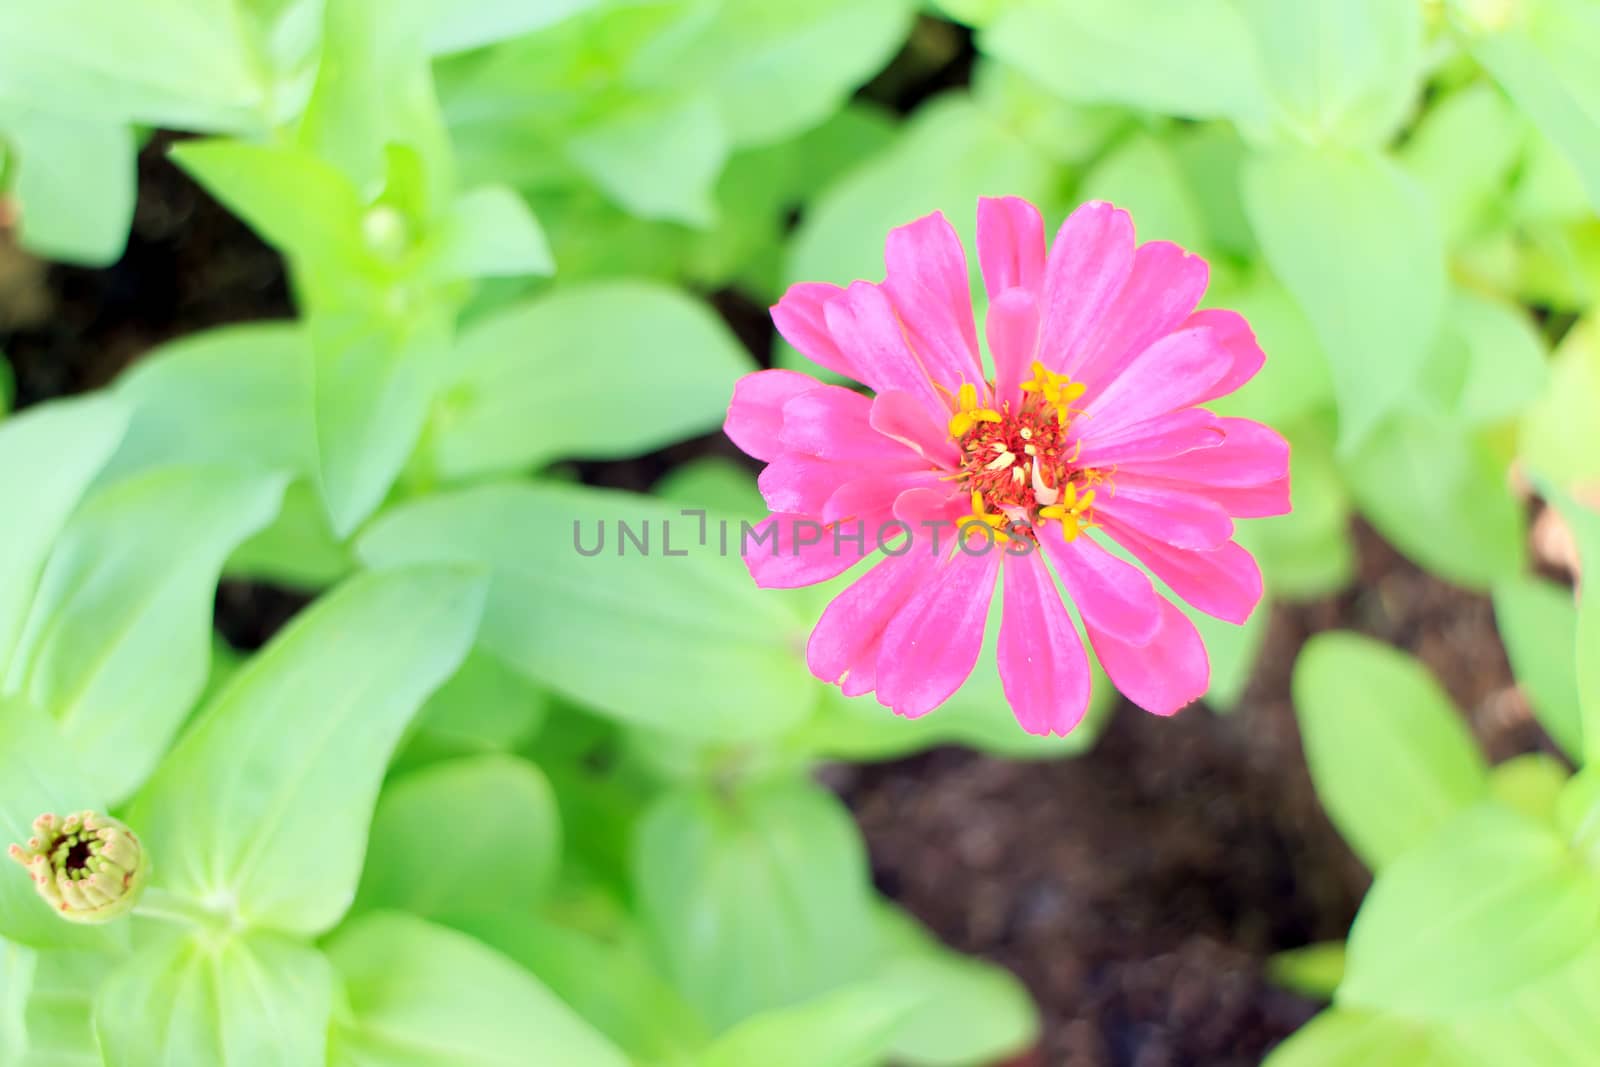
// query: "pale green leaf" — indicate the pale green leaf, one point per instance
point(256, 1000)
point(1462, 152)
point(457, 25)
point(1307, 553)
point(486, 706)
point(1491, 904)
point(1437, 492)
point(677, 637)
point(57, 1019)
point(1193, 58)
point(849, 1027)
point(659, 159)
point(755, 900)
point(423, 996)
point(1294, 383)
point(78, 436)
point(117, 644)
point(1142, 176)
point(604, 370)
point(1357, 244)
point(1538, 622)
point(75, 185)
point(1391, 757)
point(1506, 365)
point(261, 811)
point(1341, 1037)
point(1549, 1022)
point(1339, 71)
point(472, 836)
point(1314, 971)
point(967, 1013)
point(1531, 783)
point(1560, 435)
point(490, 233)
point(1543, 52)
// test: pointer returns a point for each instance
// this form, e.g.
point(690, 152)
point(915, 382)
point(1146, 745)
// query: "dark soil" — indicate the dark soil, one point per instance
point(1138, 890)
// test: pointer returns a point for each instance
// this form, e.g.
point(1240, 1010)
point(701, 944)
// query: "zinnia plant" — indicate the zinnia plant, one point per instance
point(1087, 419)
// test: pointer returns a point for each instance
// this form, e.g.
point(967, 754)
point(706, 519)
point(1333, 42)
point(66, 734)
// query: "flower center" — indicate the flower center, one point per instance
point(1019, 463)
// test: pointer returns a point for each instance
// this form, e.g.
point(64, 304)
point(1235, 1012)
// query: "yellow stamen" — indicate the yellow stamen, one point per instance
point(968, 413)
point(979, 517)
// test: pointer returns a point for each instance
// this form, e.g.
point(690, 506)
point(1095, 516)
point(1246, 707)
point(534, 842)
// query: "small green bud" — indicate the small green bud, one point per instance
point(88, 867)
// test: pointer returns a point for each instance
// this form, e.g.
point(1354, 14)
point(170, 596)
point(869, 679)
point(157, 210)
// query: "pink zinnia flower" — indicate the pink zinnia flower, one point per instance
point(1088, 420)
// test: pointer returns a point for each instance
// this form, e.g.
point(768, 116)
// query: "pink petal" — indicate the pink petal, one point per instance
point(1162, 290)
point(1239, 340)
point(1173, 373)
point(1224, 582)
point(1163, 674)
point(1010, 244)
point(933, 643)
point(872, 496)
point(1043, 667)
point(872, 338)
point(1184, 431)
point(801, 318)
point(798, 484)
point(1255, 501)
point(1248, 454)
point(790, 551)
point(1167, 514)
point(908, 420)
point(922, 509)
point(1110, 594)
point(927, 281)
point(1089, 262)
point(835, 423)
point(755, 414)
point(1013, 331)
point(847, 637)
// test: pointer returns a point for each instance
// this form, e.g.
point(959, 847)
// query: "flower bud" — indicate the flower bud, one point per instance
point(88, 867)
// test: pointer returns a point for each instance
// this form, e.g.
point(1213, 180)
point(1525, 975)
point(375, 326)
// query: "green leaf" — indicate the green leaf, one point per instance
point(1491, 904)
point(602, 969)
point(117, 644)
point(1314, 971)
point(715, 483)
point(374, 90)
point(1531, 783)
point(252, 1000)
point(1390, 756)
point(16, 983)
point(1538, 622)
point(1307, 553)
point(261, 811)
point(849, 1027)
point(1542, 52)
point(1462, 152)
point(75, 185)
point(1193, 58)
point(756, 900)
point(1357, 244)
point(1560, 435)
point(473, 836)
point(1437, 492)
point(39, 776)
point(55, 1024)
point(967, 1013)
point(1294, 383)
point(457, 25)
point(1341, 1037)
point(659, 158)
point(656, 367)
point(949, 153)
point(1342, 72)
point(1506, 361)
point(1549, 1022)
point(776, 70)
point(683, 644)
point(424, 996)
point(490, 233)
point(372, 384)
point(183, 64)
point(238, 393)
point(298, 549)
point(486, 706)
point(1585, 526)
point(78, 436)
